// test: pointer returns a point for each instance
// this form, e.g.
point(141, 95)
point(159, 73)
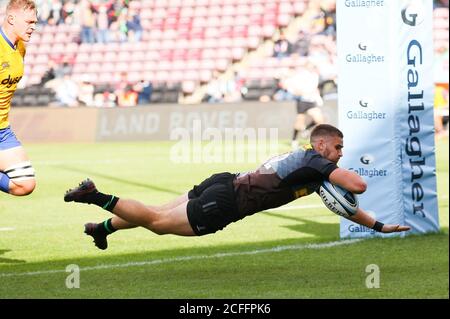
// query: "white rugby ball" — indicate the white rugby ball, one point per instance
point(339, 200)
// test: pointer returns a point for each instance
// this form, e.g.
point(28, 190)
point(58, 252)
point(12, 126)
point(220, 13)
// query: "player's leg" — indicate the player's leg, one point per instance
point(129, 213)
point(158, 221)
point(170, 218)
point(170, 221)
point(211, 208)
point(16, 173)
point(116, 223)
point(300, 121)
point(86, 192)
point(172, 204)
point(316, 114)
point(100, 231)
point(299, 126)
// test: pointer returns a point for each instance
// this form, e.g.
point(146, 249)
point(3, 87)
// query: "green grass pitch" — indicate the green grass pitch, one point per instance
point(287, 253)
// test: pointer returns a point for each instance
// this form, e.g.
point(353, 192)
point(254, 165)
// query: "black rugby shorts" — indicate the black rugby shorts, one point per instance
point(212, 204)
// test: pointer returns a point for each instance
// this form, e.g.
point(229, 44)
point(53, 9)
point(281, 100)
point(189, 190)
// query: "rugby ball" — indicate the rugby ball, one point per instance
point(339, 200)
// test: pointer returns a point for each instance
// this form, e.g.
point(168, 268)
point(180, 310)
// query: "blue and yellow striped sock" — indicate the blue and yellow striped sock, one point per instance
point(4, 182)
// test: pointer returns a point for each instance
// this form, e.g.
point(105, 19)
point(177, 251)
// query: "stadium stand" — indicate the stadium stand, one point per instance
point(182, 41)
point(187, 44)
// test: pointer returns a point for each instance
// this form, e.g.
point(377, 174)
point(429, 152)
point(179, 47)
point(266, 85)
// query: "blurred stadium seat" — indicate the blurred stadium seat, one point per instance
point(186, 40)
point(206, 34)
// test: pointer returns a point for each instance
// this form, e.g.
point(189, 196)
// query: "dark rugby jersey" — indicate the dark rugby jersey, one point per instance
point(281, 180)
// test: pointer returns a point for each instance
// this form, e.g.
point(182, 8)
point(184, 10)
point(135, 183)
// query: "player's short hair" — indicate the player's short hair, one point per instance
point(21, 4)
point(323, 130)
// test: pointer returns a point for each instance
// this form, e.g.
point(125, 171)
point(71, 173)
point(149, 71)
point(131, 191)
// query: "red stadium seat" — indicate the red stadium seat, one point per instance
point(222, 64)
point(33, 79)
point(45, 48)
point(80, 68)
point(41, 58)
point(237, 53)
point(207, 64)
point(299, 8)
point(123, 56)
point(94, 67)
point(441, 13)
point(177, 76)
point(138, 56)
point(189, 75)
point(205, 76)
point(149, 65)
point(200, 11)
point(135, 76)
point(121, 66)
point(161, 76)
point(440, 23)
point(187, 11)
point(96, 57)
point(58, 48)
point(242, 20)
point(71, 47)
point(152, 56)
point(47, 38)
point(82, 57)
point(110, 56)
point(105, 78)
point(440, 35)
point(108, 66)
point(244, 9)
point(193, 54)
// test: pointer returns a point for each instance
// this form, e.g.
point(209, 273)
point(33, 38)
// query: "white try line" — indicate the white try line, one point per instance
point(188, 258)
point(6, 228)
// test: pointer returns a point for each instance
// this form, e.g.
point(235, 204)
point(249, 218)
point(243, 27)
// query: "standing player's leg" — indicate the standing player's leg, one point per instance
point(316, 115)
point(16, 173)
point(299, 126)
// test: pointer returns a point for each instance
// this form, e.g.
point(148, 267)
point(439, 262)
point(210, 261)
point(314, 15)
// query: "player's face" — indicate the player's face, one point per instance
point(24, 23)
point(332, 148)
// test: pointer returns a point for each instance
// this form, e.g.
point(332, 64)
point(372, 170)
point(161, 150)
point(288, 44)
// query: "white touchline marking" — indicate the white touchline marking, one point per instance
point(195, 257)
point(6, 228)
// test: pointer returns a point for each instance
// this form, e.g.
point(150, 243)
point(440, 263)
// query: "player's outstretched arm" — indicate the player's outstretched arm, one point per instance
point(348, 180)
point(362, 218)
point(394, 228)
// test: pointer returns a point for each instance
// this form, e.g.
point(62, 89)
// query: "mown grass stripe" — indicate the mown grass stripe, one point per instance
point(188, 258)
